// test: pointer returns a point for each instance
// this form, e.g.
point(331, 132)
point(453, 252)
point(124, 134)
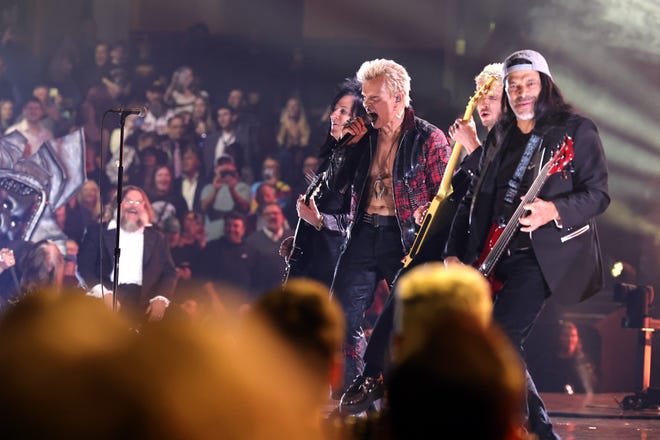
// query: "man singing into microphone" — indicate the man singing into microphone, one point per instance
point(393, 171)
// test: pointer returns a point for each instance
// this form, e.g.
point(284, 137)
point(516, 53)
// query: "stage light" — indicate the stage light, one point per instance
point(623, 272)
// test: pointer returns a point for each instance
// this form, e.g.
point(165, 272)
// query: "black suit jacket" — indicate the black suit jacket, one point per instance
point(235, 150)
point(197, 204)
point(158, 271)
point(570, 256)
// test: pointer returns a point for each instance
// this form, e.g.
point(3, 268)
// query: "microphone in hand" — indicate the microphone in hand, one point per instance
point(358, 129)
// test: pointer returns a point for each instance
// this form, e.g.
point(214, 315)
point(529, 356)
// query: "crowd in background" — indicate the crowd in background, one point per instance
point(209, 152)
point(221, 170)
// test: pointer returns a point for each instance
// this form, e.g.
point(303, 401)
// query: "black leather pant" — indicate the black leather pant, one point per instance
point(374, 253)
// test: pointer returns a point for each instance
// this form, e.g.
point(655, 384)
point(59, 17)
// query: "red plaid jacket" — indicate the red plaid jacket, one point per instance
point(419, 165)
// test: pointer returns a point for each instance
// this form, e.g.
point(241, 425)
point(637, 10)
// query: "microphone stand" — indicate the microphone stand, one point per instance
point(120, 183)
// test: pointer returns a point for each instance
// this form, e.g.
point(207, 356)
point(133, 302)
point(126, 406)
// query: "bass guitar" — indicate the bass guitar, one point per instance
point(297, 252)
point(433, 233)
point(499, 237)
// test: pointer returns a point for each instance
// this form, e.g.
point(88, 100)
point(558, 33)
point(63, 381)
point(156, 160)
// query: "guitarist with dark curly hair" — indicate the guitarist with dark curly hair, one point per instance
point(313, 250)
point(545, 154)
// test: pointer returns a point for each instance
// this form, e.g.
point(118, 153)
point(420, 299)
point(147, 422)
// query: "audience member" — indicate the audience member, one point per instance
point(224, 142)
point(192, 240)
point(171, 229)
point(81, 211)
point(158, 112)
point(311, 324)
point(145, 71)
point(51, 102)
point(292, 137)
point(94, 73)
point(172, 381)
point(9, 283)
point(94, 170)
point(565, 368)
point(424, 391)
point(202, 119)
point(270, 173)
point(172, 145)
point(463, 379)
point(226, 193)
point(131, 134)
point(266, 243)
point(91, 113)
point(144, 174)
point(42, 269)
point(183, 89)
point(7, 115)
point(147, 276)
point(247, 125)
point(32, 127)
point(165, 200)
point(192, 180)
point(265, 194)
point(228, 260)
point(70, 263)
point(62, 76)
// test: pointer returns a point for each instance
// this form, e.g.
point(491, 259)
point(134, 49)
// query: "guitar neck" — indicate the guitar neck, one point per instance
point(511, 227)
point(445, 188)
point(445, 183)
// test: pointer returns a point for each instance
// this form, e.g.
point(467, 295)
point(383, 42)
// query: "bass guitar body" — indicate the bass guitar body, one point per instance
point(499, 237)
point(493, 236)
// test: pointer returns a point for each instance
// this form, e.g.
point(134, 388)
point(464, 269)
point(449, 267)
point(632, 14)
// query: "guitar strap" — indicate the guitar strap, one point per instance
point(514, 183)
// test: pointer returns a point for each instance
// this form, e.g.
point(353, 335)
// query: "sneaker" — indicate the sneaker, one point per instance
point(362, 393)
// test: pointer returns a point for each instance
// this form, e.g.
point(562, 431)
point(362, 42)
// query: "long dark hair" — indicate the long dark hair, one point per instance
point(350, 87)
point(549, 107)
point(42, 268)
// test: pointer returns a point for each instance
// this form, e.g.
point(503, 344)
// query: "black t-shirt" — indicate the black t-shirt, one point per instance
point(513, 152)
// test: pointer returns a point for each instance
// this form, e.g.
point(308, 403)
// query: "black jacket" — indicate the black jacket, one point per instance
point(569, 256)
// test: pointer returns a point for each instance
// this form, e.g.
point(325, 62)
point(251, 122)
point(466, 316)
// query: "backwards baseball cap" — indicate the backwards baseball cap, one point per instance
point(526, 60)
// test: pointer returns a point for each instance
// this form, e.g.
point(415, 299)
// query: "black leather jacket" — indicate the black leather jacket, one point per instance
point(419, 165)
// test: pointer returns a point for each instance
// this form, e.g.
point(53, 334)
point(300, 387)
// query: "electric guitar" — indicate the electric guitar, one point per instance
point(499, 237)
point(297, 252)
point(434, 231)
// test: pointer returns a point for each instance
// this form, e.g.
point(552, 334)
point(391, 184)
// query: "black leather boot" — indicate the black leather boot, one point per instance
point(361, 394)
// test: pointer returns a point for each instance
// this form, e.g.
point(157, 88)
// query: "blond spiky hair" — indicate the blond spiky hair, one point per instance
point(396, 76)
point(491, 70)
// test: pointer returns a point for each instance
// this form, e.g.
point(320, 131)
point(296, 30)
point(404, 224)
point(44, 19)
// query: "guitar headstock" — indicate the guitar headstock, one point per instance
point(562, 156)
point(483, 91)
point(314, 186)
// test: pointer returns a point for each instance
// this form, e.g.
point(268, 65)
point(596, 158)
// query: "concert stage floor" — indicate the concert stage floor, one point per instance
point(600, 416)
